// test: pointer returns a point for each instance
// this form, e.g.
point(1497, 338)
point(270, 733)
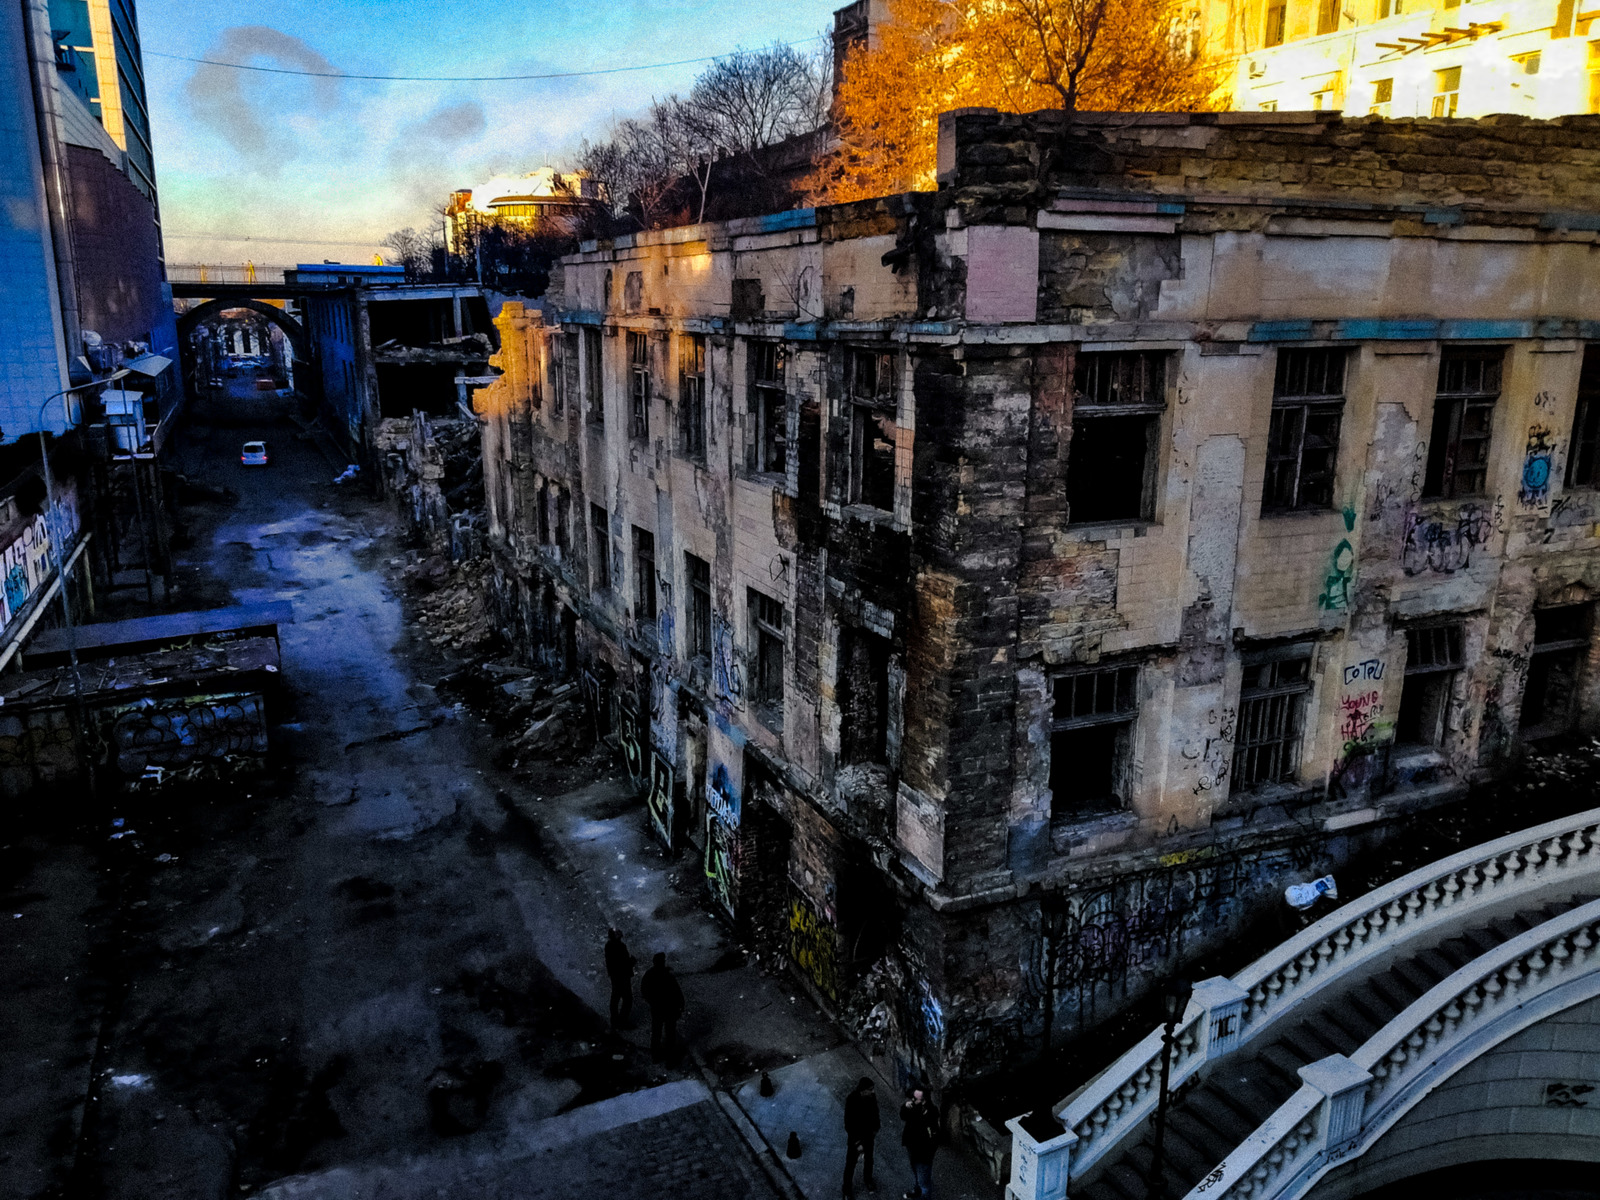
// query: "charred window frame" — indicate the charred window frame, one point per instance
point(1119, 398)
point(593, 382)
point(1433, 657)
point(1583, 464)
point(644, 575)
point(1463, 420)
point(863, 690)
point(768, 443)
point(599, 549)
point(692, 397)
point(1303, 442)
point(638, 385)
point(698, 571)
point(874, 428)
point(1272, 711)
point(1091, 736)
point(767, 641)
point(1555, 669)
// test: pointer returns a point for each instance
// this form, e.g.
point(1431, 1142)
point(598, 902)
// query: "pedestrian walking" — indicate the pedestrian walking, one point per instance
point(861, 1126)
point(920, 1138)
point(659, 989)
point(619, 967)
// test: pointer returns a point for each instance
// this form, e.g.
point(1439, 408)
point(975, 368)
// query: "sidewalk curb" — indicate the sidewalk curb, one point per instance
point(766, 1157)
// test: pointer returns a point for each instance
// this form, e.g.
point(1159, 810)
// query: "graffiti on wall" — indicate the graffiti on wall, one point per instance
point(727, 677)
point(27, 562)
point(1534, 489)
point(814, 946)
point(632, 748)
point(722, 797)
point(1438, 544)
point(1367, 668)
point(176, 734)
point(658, 796)
point(1362, 728)
point(722, 862)
point(1212, 753)
point(1341, 576)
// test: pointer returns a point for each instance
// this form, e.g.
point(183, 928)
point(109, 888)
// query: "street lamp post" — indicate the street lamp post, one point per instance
point(1174, 1000)
point(86, 761)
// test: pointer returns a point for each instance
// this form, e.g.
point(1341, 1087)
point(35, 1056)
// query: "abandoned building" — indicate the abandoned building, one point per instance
point(1005, 592)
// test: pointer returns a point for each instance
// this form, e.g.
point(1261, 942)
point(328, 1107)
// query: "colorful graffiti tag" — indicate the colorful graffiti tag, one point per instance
point(632, 750)
point(1534, 489)
point(658, 797)
point(721, 796)
point(721, 862)
point(177, 734)
point(1434, 543)
point(1341, 574)
point(27, 562)
point(814, 947)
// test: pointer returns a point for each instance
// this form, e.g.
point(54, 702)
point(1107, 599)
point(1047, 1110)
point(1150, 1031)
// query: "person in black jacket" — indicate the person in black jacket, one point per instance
point(861, 1126)
point(921, 1139)
point(619, 967)
point(659, 989)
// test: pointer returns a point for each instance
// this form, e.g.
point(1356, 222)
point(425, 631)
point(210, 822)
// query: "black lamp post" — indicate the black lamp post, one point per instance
point(1174, 1001)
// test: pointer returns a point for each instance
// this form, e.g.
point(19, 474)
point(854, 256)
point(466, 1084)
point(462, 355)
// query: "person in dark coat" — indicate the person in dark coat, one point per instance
point(659, 989)
point(861, 1126)
point(921, 1139)
point(619, 966)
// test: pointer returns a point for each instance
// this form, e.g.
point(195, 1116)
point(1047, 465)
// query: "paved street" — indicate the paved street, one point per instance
point(370, 955)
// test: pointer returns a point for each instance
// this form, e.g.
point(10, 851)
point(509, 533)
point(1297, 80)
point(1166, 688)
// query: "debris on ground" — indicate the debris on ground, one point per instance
point(451, 607)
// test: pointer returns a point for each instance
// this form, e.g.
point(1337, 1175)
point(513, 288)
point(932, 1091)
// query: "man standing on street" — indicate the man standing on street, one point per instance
point(921, 1139)
point(619, 966)
point(661, 992)
point(860, 1129)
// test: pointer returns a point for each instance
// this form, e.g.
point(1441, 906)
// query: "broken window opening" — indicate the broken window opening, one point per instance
point(1303, 442)
point(593, 385)
point(599, 549)
point(1555, 668)
point(699, 572)
point(769, 410)
point(1433, 656)
point(863, 691)
point(638, 385)
point(1463, 418)
point(565, 359)
point(544, 514)
point(1583, 464)
point(562, 519)
point(1116, 420)
point(874, 430)
point(644, 575)
point(1272, 702)
point(692, 397)
point(766, 646)
point(1091, 734)
point(1277, 19)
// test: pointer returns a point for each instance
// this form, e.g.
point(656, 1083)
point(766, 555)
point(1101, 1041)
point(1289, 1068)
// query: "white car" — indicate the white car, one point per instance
point(254, 455)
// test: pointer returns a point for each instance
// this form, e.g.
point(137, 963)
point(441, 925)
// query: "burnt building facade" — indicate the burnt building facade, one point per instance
point(1005, 592)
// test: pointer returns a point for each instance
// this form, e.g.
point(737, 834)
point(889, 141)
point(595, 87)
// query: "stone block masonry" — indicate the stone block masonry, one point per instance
point(1029, 580)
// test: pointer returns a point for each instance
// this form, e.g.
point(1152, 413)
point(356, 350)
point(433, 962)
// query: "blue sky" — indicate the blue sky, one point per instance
point(342, 161)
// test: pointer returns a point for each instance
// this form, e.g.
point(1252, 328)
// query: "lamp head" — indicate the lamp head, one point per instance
point(1175, 998)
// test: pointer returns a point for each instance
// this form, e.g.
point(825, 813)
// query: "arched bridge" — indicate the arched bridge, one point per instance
point(219, 297)
point(1450, 1017)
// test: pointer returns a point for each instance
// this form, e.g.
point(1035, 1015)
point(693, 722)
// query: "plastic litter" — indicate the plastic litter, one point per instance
point(1304, 895)
point(348, 475)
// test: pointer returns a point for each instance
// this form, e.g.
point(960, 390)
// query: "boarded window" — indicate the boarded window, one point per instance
point(1463, 418)
point(1116, 419)
point(1303, 442)
point(1091, 732)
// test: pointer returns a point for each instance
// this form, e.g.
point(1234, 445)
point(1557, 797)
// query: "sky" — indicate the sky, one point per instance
point(248, 163)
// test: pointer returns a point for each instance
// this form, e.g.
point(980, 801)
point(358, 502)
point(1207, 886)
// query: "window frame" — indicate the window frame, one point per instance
point(692, 377)
point(594, 393)
point(1122, 712)
point(1583, 459)
point(1541, 656)
point(645, 607)
point(1149, 406)
point(697, 627)
point(766, 619)
point(875, 402)
point(1294, 402)
point(1440, 660)
point(1446, 91)
point(1284, 704)
point(599, 549)
point(767, 397)
point(1452, 409)
point(638, 347)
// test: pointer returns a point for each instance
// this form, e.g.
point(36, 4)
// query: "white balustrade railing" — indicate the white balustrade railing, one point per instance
point(1224, 1013)
point(1347, 1103)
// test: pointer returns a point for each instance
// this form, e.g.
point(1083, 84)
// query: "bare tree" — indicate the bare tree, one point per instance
point(412, 250)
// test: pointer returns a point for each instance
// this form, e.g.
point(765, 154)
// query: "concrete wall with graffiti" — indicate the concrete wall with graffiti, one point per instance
point(28, 561)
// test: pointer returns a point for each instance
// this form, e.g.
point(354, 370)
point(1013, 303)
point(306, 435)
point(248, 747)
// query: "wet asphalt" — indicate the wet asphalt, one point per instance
point(378, 947)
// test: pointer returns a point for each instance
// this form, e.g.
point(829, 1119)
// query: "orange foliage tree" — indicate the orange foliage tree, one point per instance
point(1017, 55)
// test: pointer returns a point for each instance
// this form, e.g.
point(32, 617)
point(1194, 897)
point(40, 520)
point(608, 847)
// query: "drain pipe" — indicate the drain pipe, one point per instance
point(57, 181)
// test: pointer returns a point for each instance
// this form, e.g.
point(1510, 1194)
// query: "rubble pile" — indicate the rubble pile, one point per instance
point(471, 347)
point(452, 608)
point(536, 718)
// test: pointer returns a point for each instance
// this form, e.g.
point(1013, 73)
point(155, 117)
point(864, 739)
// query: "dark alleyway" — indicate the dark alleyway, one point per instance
point(366, 956)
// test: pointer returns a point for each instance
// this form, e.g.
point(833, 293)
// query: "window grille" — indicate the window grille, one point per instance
point(1272, 699)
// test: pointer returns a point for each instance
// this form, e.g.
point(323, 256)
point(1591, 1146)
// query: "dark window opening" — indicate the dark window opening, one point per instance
point(873, 429)
point(1583, 464)
point(766, 647)
point(769, 410)
point(692, 397)
point(429, 388)
point(644, 575)
point(638, 385)
point(1303, 444)
point(1272, 700)
point(1090, 735)
point(1463, 416)
point(563, 519)
point(599, 549)
point(863, 691)
point(544, 514)
point(1433, 656)
point(593, 385)
point(1277, 15)
point(1555, 667)
point(699, 572)
point(1115, 421)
